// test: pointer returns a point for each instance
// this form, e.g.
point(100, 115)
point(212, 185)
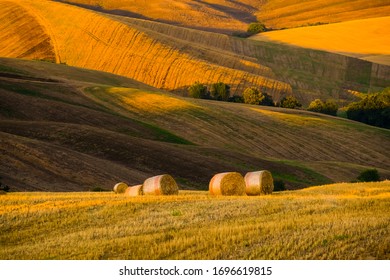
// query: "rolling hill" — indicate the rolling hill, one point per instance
point(367, 39)
point(111, 46)
point(234, 16)
point(65, 128)
point(173, 58)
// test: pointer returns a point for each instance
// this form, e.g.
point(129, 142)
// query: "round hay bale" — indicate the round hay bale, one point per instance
point(259, 183)
point(160, 185)
point(134, 191)
point(228, 183)
point(120, 187)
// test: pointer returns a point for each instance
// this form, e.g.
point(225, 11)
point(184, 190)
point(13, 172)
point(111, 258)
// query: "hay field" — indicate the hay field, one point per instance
point(232, 16)
point(172, 58)
point(367, 39)
point(342, 221)
point(62, 126)
point(111, 46)
point(210, 15)
point(293, 13)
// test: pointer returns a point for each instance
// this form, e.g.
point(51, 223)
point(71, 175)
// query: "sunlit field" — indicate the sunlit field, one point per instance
point(367, 39)
point(342, 221)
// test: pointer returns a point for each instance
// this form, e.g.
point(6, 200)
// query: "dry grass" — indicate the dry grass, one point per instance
point(112, 46)
point(343, 221)
point(22, 35)
point(227, 16)
point(292, 13)
point(365, 39)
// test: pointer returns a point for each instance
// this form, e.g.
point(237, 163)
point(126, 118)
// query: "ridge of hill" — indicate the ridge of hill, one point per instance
point(65, 128)
point(234, 16)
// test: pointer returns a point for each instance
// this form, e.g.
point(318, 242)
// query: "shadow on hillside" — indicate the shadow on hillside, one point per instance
point(238, 14)
point(116, 12)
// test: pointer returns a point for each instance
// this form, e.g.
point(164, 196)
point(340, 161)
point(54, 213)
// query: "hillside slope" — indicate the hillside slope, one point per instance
point(232, 16)
point(311, 73)
point(367, 39)
point(172, 58)
point(65, 128)
point(112, 46)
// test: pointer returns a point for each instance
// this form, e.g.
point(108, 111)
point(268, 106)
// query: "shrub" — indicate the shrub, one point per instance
point(254, 96)
point(369, 175)
point(3, 187)
point(290, 102)
point(256, 27)
point(98, 189)
point(329, 107)
point(236, 99)
point(279, 185)
point(373, 109)
point(198, 90)
point(220, 91)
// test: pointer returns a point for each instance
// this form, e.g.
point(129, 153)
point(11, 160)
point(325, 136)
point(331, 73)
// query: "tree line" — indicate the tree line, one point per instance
point(373, 109)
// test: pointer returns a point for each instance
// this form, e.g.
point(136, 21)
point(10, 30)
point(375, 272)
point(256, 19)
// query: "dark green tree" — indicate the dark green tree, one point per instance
point(256, 27)
point(220, 91)
point(290, 102)
point(373, 109)
point(198, 90)
point(253, 96)
point(329, 107)
point(369, 175)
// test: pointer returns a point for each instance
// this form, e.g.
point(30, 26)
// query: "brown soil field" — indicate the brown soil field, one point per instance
point(65, 128)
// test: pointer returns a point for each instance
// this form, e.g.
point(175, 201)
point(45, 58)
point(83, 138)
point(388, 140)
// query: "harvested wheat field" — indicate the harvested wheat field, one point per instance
point(333, 222)
point(112, 46)
point(368, 39)
point(293, 13)
point(232, 16)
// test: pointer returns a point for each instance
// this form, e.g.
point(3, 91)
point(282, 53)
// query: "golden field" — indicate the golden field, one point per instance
point(367, 39)
point(341, 221)
point(293, 13)
point(230, 16)
point(112, 46)
point(172, 57)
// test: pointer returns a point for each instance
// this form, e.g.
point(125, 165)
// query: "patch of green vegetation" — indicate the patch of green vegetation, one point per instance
point(164, 135)
point(313, 177)
point(8, 69)
point(159, 133)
